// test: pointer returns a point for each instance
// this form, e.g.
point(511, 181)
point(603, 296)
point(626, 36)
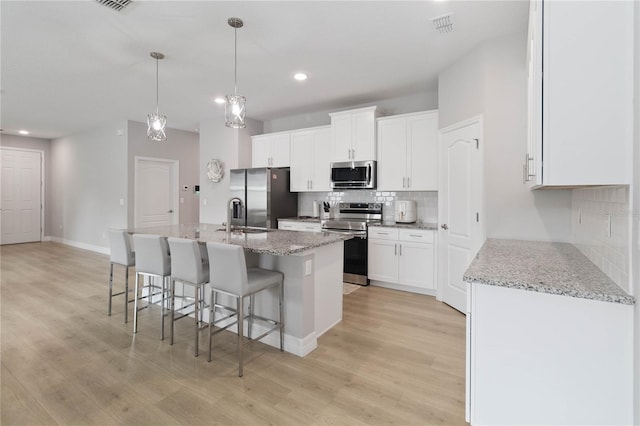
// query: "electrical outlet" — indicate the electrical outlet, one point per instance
point(308, 267)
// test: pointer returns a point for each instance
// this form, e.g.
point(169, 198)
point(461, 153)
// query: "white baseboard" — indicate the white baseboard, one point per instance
point(400, 287)
point(47, 238)
point(84, 246)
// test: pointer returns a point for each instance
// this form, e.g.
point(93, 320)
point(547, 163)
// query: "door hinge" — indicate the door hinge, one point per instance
point(477, 217)
point(477, 143)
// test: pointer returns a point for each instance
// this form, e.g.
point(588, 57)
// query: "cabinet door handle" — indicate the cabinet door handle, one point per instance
point(395, 249)
point(408, 182)
point(414, 235)
point(310, 184)
point(400, 249)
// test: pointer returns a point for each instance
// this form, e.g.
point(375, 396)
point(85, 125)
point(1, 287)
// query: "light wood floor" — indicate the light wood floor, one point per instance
point(396, 358)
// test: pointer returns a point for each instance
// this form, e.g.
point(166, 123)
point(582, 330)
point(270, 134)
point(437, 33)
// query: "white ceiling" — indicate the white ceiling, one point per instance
point(68, 66)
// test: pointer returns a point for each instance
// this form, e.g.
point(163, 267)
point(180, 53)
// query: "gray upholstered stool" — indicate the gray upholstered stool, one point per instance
point(189, 266)
point(121, 253)
point(154, 261)
point(230, 276)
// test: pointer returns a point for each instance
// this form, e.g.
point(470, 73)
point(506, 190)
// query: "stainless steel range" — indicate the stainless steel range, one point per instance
point(354, 218)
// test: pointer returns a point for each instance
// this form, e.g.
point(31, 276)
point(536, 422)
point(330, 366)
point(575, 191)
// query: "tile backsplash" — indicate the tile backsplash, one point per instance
point(426, 201)
point(601, 219)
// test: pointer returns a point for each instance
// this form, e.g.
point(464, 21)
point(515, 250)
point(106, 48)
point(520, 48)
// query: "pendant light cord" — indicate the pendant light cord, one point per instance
point(157, 90)
point(235, 61)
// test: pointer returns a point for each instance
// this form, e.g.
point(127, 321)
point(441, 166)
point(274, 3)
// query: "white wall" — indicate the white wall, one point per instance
point(89, 178)
point(233, 148)
point(422, 101)
point(491, 80)
point(38, 144)
point(180, 145)
point(635, 206)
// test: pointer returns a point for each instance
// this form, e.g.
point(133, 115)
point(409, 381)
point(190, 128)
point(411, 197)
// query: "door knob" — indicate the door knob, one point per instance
point(170, 211)
point(444, 226)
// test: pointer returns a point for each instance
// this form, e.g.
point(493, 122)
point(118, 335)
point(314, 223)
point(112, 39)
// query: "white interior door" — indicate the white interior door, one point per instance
point(156, 192)
point(462, 229)
point(21, 202)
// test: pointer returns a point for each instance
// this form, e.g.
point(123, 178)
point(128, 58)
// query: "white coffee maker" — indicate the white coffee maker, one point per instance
point(405, 211)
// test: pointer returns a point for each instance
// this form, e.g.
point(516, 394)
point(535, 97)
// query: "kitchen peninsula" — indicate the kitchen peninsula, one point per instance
point(312, 268)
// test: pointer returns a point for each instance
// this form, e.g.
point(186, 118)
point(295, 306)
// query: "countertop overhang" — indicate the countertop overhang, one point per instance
point(545, 267)
point(270, 241)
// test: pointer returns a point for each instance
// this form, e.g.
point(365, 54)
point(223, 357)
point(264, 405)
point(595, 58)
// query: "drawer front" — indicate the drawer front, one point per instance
point(383, 233)
point(417, 235)
point(311, 227)
point(289, 226)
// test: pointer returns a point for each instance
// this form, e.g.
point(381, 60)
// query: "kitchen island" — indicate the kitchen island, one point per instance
point(549, 338)
point(312, 268)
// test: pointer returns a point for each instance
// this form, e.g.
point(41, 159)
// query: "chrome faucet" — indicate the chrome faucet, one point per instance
point(230, 204)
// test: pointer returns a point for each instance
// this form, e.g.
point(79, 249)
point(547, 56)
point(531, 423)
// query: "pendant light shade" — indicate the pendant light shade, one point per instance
point(234, 108)
point(156, 122)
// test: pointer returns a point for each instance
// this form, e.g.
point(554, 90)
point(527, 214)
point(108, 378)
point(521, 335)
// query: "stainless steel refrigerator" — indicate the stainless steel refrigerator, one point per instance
point(265, 195)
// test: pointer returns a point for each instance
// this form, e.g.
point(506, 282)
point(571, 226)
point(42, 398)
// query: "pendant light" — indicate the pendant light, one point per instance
point(156, 122)
point(234, 107)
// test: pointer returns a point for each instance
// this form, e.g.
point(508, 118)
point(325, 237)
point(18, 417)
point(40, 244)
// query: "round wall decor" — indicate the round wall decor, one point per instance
point(215, 170)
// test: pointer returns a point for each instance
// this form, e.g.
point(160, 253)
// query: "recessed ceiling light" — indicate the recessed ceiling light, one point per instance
point(219, 100)
point(300, 76)
point(23, 132)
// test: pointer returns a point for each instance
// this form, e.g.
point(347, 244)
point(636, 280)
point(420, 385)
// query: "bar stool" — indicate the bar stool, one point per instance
point(121, 253)
point(189, 266)
point(154, 261)
point(230, 276)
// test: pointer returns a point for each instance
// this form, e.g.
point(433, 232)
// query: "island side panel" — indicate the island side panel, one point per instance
point(328, 273)
point(538, 358)
point(299, 301)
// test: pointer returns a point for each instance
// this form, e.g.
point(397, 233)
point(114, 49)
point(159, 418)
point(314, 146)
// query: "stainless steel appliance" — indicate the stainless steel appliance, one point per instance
point(354, 219)
point(265, 195)
point(353, 175)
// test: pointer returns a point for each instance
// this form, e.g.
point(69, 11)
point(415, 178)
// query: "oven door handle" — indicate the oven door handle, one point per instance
point(357, 234)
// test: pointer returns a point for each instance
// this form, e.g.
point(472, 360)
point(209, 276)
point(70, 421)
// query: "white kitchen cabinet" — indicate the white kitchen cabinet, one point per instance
point(408, 152)
point(353, 134)
point(298, 225)
point(405, 257)
point(547, 359)
point(580, 94)
point(310, 159)
point(270, 150)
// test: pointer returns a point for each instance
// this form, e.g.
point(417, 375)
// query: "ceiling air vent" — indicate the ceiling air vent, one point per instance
point(116, 5)
point(443, 23)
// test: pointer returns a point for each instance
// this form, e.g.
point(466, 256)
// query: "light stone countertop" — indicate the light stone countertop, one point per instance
point(554, 268)
point(273, 241)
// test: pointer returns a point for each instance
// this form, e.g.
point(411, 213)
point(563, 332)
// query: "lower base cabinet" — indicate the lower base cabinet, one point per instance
point(547, 359)
point(402, 256)
point(296, 225)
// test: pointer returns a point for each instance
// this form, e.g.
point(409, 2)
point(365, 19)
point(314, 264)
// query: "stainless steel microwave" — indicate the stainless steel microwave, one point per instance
point(353, 175)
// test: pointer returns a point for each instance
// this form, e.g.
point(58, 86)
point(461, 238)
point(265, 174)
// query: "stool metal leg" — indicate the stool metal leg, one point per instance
point(250, 323)
point(240, 314)
point(281, 312)
point(195, 316)
point(211, 319)
point(135, 304)
point(126, 294)
point(110, 286)
point(164, 286)
point(173, 306)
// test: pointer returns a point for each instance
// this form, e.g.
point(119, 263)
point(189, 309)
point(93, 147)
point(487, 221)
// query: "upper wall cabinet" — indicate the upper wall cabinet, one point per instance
point(580, 88)
point(353, 134)
point(270, 150)
point(310, 159)
point(408, 152)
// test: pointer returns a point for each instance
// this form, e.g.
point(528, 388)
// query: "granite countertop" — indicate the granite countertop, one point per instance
point(415, 225)
point(554, 268)
point(273, 241)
